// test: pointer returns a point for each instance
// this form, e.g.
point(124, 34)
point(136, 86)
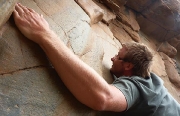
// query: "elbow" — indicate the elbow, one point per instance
point(99, 107)
point(100, 104)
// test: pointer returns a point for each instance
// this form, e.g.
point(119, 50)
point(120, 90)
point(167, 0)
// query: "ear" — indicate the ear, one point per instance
point(128, 66)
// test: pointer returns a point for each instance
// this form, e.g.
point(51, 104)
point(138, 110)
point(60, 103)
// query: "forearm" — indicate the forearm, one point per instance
point(85, 84)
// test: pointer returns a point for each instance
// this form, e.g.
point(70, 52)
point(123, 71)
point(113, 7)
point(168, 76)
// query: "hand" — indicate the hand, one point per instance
point(30, 23)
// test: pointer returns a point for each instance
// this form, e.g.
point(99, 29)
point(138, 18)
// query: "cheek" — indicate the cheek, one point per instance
point(119, 65)
point(116, 65)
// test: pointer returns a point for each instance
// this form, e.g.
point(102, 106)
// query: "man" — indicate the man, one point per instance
point(134, 92)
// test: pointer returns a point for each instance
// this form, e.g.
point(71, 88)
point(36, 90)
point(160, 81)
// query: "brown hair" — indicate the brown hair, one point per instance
point(140, 56)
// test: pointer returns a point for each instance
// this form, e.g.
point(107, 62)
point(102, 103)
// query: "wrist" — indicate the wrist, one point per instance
point(47, 39)
point(45, 36)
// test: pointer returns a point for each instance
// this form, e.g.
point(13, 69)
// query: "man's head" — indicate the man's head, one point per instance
point(132, 59)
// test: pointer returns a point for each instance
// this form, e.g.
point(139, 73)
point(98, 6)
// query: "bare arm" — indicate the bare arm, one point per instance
point(84, 83)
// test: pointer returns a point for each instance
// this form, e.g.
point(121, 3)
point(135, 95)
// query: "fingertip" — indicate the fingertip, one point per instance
point(41, 15)
point(16, 5)
point(19, 3)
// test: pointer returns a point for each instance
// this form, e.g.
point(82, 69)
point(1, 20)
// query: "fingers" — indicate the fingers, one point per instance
point(18, 9)
point(15, 13)
point(31, 10)
point(23, 13)
point(21, 10)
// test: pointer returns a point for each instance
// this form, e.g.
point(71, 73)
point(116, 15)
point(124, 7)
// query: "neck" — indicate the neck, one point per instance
point(126, 73)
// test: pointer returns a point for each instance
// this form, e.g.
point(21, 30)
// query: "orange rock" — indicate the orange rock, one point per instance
point(128, 17)
point(171, 70)
point(175, 42)
point(94, 11)
point(120, 33)
point(166, 48)
point(133, 34)
point(108, 15)
point(114, 4)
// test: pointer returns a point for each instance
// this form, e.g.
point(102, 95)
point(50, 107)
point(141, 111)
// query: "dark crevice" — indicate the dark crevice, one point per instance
point(26, 69)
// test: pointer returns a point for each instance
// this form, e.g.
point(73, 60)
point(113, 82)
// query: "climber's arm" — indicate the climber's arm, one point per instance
point(84, 83)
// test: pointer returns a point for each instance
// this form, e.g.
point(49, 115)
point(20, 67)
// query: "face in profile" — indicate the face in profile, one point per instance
point(117, 62)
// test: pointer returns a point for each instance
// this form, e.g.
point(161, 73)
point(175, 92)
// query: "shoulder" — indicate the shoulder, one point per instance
point(128, 87)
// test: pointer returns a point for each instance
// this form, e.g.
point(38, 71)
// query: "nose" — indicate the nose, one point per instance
point(112, 59)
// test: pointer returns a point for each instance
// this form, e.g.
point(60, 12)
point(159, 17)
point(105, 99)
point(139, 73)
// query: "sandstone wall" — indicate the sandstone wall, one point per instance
point(29, 85)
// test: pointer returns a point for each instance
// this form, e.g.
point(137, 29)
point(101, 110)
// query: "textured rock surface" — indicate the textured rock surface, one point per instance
point(7, 7)
point(114, 4)
point(139, 5)
point(92, 9)
point(171, 70)
point(128, 17)
point(166, 48)
point(156, 18)
point(175, 42)
point(30, 86)
point(164, 14)
point(108, 15)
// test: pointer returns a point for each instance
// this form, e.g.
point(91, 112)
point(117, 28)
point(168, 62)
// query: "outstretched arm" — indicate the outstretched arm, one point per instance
point(84, 83)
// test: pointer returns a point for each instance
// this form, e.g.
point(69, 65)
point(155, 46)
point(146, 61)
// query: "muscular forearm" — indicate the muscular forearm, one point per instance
point(85, 84)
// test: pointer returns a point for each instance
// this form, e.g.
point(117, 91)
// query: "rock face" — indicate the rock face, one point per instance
point(164, 14)
point(166, 48)
point(156, 18)
point(92, 9)
point(94, 31)
point(7, 7)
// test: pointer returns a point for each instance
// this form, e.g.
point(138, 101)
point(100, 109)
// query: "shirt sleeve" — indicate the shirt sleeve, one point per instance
point(129, 89)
